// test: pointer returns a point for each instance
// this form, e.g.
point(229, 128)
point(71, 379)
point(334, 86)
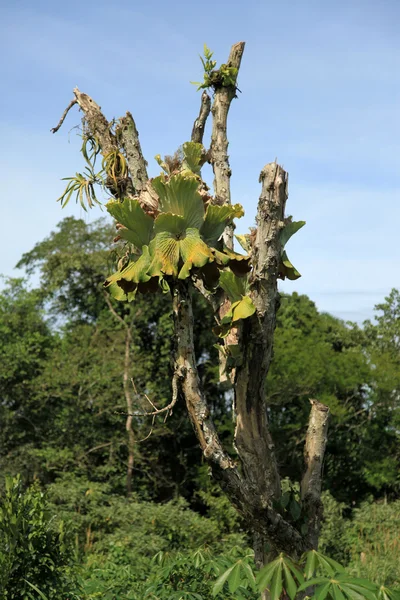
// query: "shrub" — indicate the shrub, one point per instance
point(35, 551)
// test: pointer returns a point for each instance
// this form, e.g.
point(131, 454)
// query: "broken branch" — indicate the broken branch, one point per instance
point(128, 135)
point(314, 451)
point(200, 122)
point(61, 121)
point(219, 139)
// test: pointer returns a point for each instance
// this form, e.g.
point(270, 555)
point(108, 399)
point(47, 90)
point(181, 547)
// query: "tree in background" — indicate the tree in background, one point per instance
point(81, 385)
point(178, 237)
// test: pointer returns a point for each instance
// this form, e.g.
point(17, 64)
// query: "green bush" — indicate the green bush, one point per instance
point(35, 552)
point(373, 539)
point(331, 541)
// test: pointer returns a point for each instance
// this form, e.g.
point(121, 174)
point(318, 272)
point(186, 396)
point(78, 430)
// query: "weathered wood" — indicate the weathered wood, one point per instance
point(200, 122)
point(242, 490)
point(128, 135)
point(311, 484)
point(252, 437)
point(219, 138)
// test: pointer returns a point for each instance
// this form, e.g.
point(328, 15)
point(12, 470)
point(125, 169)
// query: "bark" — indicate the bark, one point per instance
point(218, 156)
point(96, 122)
point(125, 140)
point(311, 485)
point(219, 139)
point(200, 122)
point(252, 437)
point(242, 492)
point(128, 135)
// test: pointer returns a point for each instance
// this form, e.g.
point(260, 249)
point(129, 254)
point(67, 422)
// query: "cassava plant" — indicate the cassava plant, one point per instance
point(178, 237)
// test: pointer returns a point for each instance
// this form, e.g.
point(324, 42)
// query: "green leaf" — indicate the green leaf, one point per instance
point(356, 592)
point(285, 498)
point(36, 589)
point(343, 576)
point(276, 583)
point(290, 586)
point(314, 581)
point(249, 574)
point(289, 230)
point(216, 219)
point(164, 250)
point(304, 529)
point(322, 591)
point(168, 222)
point(242, 309)
point(219, 584)
point(139, 225)
point(180, 196)
point(244, 241)
point(118, 293)
point(193, 153)
point(286, 269)
point(295, 510)
point(162, 164)
point(167, 249)
point(337, 592)
point(239, 264)
point(264, 576)
point(311, 563)
point(134, 276)
point(328, 565)
point(294, 569)
point(235, 287)
point(194, 253)
point(234, 578)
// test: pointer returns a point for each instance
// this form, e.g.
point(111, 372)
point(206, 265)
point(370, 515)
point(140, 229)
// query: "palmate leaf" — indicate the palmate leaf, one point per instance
point(317, 562)
point(289, 230)
point(280, 574)
point(286, 269)
point(239, 575)
point(341, 587)
point(170, 249)
point(192, 156)
point(216, 219)
point(132, 278)
point(388, 594)
point(244, 241)
point(242, 309)
point(180, 196)
point(129, 213)
point(238, 263)
point(235, 287)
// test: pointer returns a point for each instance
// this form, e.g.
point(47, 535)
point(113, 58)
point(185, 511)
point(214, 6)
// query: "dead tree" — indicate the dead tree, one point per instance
point(178, 236)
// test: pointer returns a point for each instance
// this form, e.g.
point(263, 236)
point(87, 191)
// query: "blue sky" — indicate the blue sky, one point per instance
point(320, 91)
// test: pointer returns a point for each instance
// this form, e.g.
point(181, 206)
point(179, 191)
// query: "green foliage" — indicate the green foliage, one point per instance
point(118, 539)
point(286, 269)
point(317, 355)
point(83, 185)
point(183, 238)
point(373, 539)
point(192, 576)
point(35, 551)
point(316, 575)
point(225, 76)
point(331, 541)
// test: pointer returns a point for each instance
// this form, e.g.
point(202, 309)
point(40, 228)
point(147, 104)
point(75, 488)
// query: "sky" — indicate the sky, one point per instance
point(320, 91)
